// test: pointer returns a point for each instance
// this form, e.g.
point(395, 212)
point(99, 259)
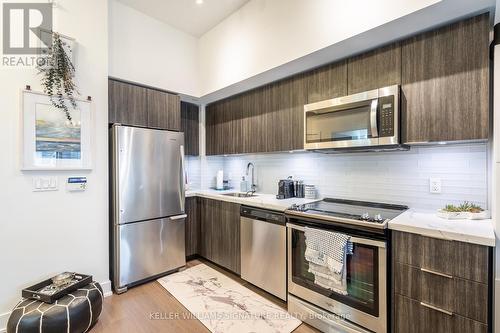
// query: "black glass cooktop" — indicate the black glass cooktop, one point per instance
point(351, 209)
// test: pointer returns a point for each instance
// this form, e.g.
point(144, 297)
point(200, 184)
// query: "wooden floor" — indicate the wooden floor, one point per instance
point(131, 311)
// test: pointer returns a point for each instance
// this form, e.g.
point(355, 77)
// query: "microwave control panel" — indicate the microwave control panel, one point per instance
point(386, 116)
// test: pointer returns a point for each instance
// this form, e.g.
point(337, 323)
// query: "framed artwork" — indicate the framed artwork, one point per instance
point(51, 141)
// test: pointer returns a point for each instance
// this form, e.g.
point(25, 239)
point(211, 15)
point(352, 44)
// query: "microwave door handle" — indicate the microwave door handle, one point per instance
point(373, 118)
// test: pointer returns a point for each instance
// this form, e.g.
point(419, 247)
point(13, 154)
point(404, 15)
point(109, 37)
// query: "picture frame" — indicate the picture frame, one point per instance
point(49, 140)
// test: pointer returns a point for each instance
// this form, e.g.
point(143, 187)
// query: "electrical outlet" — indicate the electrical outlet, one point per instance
point(435, 185)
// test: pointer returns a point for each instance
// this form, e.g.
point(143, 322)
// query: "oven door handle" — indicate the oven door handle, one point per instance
point(358, 240)
point(373, 118)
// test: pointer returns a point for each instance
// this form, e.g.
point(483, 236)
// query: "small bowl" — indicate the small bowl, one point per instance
point(62, 279)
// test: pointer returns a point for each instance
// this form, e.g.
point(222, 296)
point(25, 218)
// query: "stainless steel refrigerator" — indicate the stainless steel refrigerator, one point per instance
point(147, 204)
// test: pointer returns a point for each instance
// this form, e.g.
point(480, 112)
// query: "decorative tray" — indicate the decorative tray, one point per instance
point(48, 291)
point(463, 215)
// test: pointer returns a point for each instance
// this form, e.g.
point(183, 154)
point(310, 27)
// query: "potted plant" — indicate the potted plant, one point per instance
point(466, 210)
point(58, 73)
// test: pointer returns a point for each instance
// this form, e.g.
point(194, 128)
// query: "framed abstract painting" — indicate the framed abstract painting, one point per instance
point(53, 140)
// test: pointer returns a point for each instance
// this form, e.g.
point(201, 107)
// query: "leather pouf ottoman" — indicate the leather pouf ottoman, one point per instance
point(76, 312)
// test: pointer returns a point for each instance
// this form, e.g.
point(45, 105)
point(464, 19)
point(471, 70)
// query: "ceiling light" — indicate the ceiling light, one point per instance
point(199, 2)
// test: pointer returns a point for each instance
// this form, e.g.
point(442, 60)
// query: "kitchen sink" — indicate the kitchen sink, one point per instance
point(241, 195)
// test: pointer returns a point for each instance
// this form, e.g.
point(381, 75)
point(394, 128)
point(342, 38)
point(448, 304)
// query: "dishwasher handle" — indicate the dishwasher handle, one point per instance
point(263, 215)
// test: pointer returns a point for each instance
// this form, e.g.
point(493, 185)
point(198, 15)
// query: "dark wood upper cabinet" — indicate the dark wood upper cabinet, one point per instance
point(286, 130)
point(214, 122)
point(376, 69)
point(326, 82)
point(128, 104)
point(164, 110)
point(266, 119)
point(445, 83)
point(223, 133)
point(252, 117)
point(444, 78)
point(131, 104)
point(190, 127)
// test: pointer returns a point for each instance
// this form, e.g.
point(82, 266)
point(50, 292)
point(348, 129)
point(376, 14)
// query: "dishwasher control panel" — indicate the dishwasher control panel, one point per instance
point(261, 214)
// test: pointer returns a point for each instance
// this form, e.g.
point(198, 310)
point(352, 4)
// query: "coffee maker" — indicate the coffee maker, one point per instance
point(285, 189)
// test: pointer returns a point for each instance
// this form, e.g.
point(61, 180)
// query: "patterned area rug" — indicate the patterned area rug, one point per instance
point(223, 305)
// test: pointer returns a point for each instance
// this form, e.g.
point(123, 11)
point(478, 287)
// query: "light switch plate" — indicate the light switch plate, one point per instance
point(45, 183)
point(435, 185)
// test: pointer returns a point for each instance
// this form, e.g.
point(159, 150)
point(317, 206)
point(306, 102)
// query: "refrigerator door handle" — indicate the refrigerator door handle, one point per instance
point(178, 217)
point(183, 175)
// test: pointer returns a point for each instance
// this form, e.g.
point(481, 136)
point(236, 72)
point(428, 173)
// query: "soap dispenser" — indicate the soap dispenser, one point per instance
point(243, 185)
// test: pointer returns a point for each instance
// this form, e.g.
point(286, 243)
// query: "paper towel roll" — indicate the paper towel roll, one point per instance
point(220, 180)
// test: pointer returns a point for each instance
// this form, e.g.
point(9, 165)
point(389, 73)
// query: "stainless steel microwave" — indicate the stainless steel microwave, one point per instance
point(365, 120)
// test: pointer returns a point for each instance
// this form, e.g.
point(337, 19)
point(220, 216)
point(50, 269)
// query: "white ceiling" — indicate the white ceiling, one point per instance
point(187, 15)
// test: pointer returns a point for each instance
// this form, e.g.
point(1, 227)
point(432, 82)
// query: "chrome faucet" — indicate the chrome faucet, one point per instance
point(253, 187)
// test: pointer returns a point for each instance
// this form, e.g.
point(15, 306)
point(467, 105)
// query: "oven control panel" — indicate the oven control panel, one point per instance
point(386, 116)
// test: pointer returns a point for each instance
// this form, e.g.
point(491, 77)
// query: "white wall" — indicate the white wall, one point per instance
point(266, 40)
point(44, 233)
point(265, 34)
point(395, 177)
point(145, 50)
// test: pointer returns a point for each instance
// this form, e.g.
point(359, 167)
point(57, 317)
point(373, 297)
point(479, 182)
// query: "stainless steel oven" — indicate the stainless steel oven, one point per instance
point(367, 119)
point(365, 304)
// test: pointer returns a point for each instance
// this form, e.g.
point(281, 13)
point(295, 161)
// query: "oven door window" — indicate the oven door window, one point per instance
point(333, 124)
point(361, 275)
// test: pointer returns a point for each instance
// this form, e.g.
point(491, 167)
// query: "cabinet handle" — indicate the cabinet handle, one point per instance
point(436, 273)
point(449, 313)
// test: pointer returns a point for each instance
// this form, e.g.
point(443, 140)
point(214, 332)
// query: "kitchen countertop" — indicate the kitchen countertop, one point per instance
point(261, 200)
point(421, 222)
point(426, 223)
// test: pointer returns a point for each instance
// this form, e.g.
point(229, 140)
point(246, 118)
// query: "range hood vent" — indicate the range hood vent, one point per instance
point(362, 149)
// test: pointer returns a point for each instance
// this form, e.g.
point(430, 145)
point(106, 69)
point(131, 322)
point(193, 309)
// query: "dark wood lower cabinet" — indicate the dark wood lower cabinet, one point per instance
point(192, 226)
point(220, 233)
point(440, 285)
point(413, 317)
point(464, 260)
point(459, 296)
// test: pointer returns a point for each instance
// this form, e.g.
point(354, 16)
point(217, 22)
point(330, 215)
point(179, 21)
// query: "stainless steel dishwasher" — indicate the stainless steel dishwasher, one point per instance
point(263, 249)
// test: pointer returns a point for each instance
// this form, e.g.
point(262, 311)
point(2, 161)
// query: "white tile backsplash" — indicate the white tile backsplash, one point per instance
point(396, 177)
point(201, 170)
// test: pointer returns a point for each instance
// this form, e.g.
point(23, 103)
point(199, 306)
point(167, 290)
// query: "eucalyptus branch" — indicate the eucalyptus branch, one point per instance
point(58, 73)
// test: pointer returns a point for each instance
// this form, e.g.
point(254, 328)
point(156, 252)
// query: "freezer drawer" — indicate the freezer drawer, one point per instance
point(263, 255)
point(146, 249)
